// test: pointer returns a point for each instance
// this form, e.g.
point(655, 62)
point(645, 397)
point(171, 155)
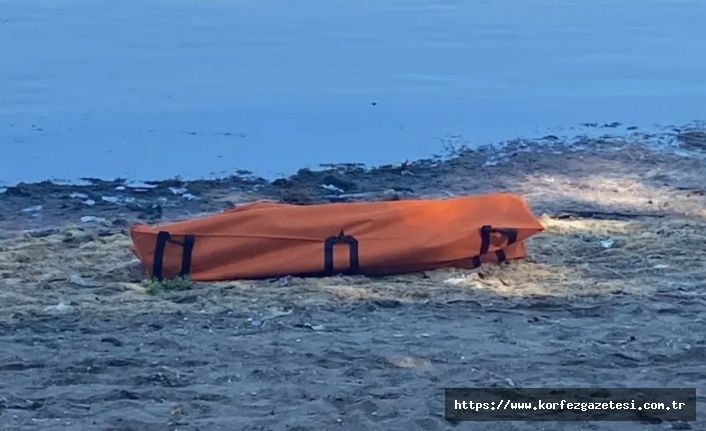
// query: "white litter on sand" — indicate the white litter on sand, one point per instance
point(333, 188)
point(72, 183)
point(81, 281)
point(470, 279)
point(90, 219)
point(607, 243)
point(60, 307)
point(177, 190)
point(140, 185)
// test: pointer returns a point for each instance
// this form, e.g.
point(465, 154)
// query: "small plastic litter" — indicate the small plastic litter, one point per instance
point(89, 202)
point(59, 307)
point(120, 188)
point(177, 190)
point(32, 209)
point(463, 279)
point(81, 182)
point(89, 219)
point(455, 281)
point(333, 188)
point(607, 243)
point(255, 322)
point(140, 185)
point(312, 327)
point(80, 281)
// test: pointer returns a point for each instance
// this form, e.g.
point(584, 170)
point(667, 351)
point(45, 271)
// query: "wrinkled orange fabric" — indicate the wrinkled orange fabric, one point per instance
point(262, 239)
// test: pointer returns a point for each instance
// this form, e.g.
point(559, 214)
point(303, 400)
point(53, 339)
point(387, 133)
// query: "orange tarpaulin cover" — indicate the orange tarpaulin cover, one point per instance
point(262, 239)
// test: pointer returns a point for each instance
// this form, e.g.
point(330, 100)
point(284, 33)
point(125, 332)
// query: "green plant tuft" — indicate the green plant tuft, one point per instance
point(154, 286)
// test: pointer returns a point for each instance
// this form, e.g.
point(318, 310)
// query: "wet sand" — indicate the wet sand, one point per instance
point(84, 345)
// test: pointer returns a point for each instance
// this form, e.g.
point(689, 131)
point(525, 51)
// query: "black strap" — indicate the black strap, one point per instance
point(186, 255)
point(485, 239)
point(163, 237)
point(500, 256)
point(485, 231)
point(354, 262)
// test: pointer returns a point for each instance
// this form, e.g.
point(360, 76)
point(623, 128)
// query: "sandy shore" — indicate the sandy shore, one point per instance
point(610, 296)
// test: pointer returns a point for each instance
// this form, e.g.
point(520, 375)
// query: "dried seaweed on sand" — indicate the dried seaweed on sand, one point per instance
point(84, 269)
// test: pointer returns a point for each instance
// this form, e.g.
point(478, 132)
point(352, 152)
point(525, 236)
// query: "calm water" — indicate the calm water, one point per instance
point(152, 88)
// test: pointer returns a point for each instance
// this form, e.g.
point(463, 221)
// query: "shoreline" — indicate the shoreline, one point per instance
point(466, 171)
point(657, 136)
